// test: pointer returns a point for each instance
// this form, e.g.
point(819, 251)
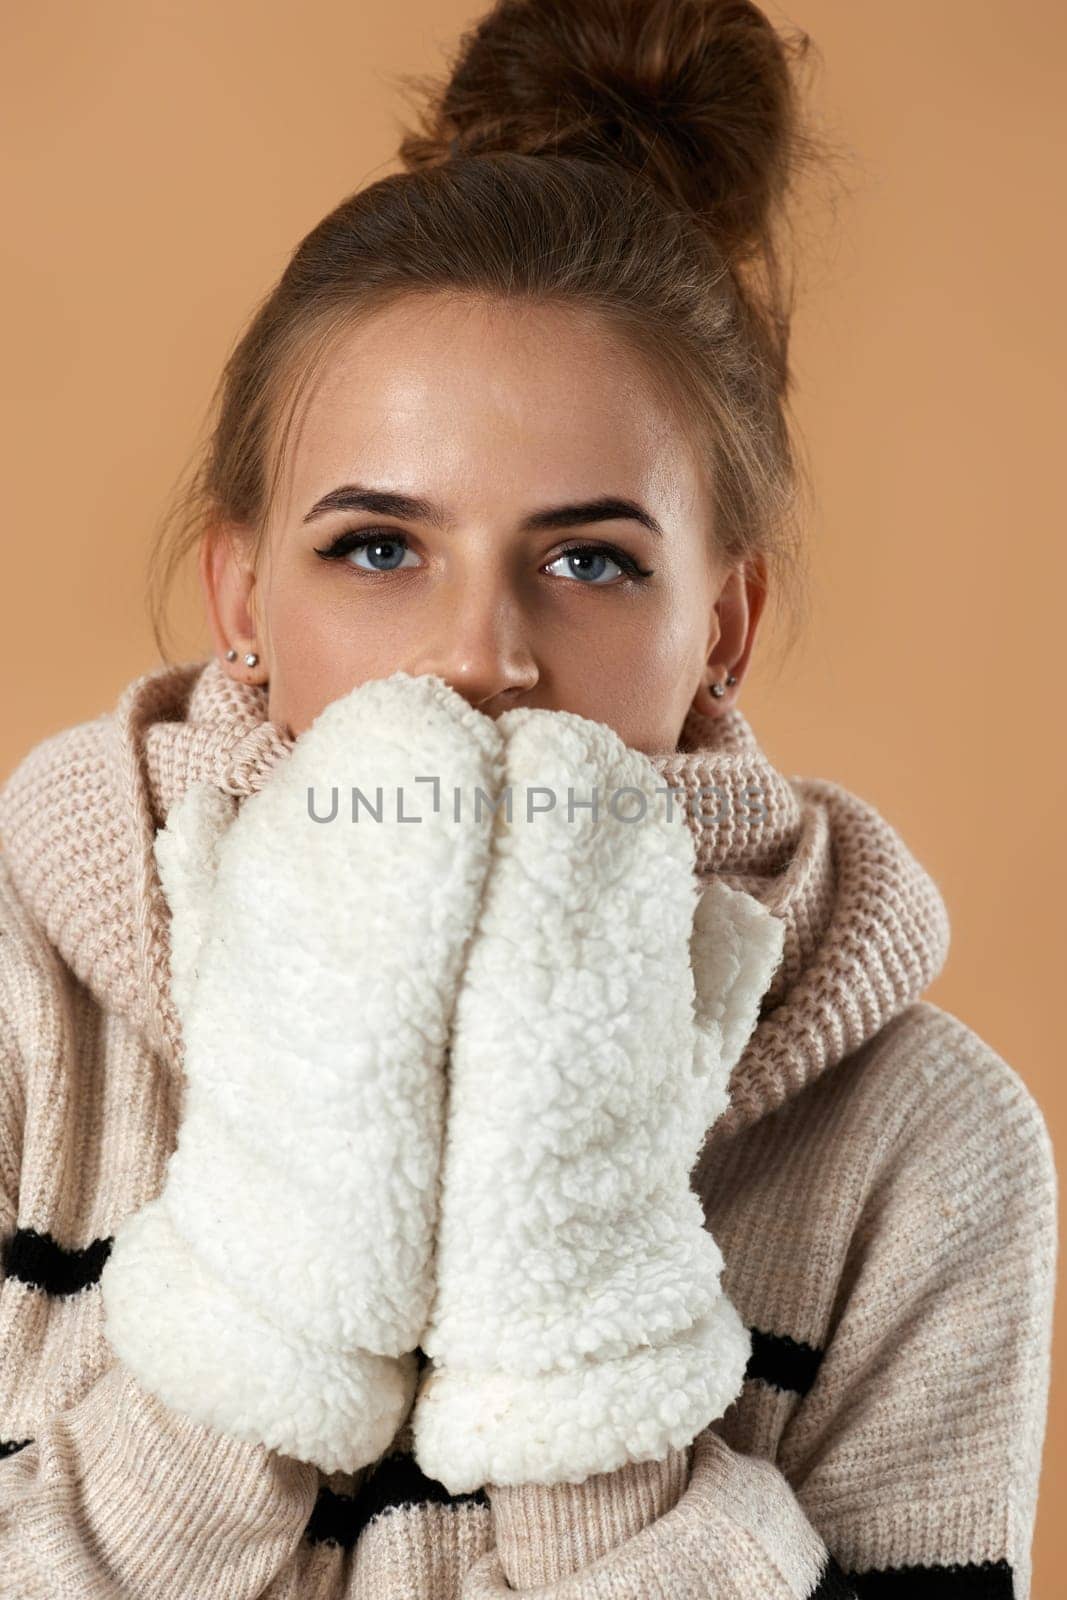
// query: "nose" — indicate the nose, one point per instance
point(480, 645)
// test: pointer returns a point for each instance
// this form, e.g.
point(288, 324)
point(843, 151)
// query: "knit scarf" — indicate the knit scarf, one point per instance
point(866, 927)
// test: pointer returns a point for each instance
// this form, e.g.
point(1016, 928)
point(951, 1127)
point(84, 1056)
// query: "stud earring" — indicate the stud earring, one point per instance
point(251, 658)
point(231, 655)
point(719, 689)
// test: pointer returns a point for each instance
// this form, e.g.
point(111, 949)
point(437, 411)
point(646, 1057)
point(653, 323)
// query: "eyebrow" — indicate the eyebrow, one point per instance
point(388, 503)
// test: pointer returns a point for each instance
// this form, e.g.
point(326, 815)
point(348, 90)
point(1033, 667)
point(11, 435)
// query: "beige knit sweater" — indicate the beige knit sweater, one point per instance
point(881, 1185)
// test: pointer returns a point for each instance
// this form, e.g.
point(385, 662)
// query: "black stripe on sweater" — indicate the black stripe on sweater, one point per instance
point(974, 1580)
point(783, 1362)
point(396, 1483)
point(38, 1260)
point(833, 1584)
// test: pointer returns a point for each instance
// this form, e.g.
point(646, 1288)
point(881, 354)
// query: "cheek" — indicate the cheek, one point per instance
point(636, 671)
point(660, 639)
point(666, 658)
point(316, 655)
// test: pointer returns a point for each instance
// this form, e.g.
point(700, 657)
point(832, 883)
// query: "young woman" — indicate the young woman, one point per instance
point(469, 1125)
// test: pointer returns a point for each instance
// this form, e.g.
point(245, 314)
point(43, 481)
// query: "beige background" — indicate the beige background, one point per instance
point(161, 160)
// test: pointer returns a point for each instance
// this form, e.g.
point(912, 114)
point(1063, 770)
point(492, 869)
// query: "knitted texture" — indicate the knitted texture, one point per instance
point(881, 1185)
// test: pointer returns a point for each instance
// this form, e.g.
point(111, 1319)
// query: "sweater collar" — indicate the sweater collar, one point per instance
point(866, 927)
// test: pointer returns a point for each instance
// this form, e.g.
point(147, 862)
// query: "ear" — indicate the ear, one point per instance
point(227, 568)
point(732, 634)
point(736, 946)
point(186, 853)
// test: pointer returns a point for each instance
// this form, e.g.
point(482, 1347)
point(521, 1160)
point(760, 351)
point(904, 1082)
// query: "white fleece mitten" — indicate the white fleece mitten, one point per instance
point(579, 1321)
point(277, 1286)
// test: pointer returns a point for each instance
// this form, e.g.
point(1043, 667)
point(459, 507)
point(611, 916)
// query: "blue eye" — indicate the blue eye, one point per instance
point(587, 562)
point(393, 543)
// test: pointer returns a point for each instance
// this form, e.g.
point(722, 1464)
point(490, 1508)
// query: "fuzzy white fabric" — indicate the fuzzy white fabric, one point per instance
point(277, 1287)
point(593, 1001)
point(579, 1321)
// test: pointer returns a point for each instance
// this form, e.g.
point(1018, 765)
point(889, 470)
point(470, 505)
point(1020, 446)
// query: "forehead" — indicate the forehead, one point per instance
point(458, 396)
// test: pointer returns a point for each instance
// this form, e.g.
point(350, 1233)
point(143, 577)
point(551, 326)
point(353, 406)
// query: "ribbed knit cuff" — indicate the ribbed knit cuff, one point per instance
point(120, 1488)
point(544, 1532)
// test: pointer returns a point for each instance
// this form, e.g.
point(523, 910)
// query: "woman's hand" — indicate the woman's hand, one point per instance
point(579, 1320)
point(277, 1287)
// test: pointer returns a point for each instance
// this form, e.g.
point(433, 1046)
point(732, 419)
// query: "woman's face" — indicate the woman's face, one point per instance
point(471, 446)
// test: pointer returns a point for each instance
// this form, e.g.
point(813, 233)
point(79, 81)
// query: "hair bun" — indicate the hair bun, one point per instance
point(696, 96)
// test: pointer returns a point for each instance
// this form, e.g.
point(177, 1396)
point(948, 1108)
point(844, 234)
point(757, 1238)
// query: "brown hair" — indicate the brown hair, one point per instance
point(627, 157)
